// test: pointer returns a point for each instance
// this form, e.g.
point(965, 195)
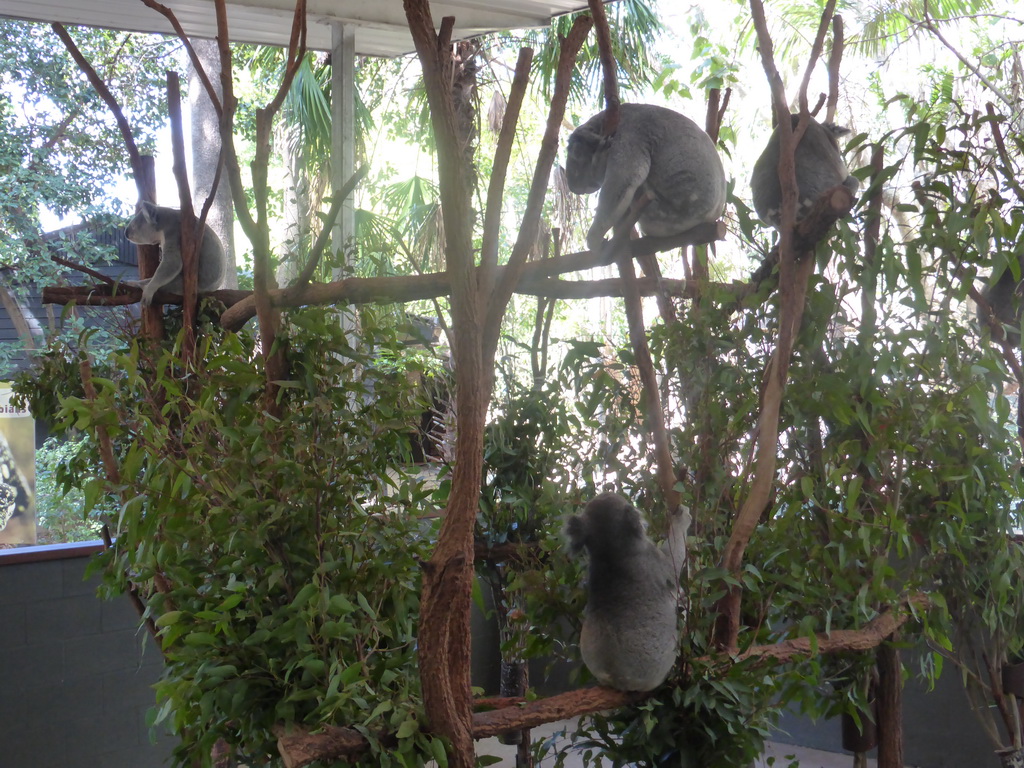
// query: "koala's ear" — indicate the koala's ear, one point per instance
point(591, 139)
point(836, 130)
point(634, 522)
point(147, 210)
point(576, 530)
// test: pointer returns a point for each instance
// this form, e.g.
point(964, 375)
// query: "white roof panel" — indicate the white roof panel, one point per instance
point(380, 26)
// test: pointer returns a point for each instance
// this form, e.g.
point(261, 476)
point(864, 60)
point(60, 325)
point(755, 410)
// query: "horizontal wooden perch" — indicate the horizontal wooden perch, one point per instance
point(116, 294)
point(299, 747)
point(871, 635)
point(431, 286)
point(536, 279)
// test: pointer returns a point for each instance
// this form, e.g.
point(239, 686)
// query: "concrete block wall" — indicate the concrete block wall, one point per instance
point(76, 672)
point(939, 728)
point(76, 676)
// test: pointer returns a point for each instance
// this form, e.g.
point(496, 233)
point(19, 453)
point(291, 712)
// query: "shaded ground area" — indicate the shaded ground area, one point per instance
point(776, 755)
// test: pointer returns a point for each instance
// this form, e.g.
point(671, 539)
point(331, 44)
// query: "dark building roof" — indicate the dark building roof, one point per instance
point(47, 319)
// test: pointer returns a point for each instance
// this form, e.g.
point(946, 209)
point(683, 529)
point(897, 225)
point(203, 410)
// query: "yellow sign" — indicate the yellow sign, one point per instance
point(17, 472)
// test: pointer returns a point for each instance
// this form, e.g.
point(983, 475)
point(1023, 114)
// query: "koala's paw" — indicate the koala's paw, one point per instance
point(683, 516)
point(595, 240)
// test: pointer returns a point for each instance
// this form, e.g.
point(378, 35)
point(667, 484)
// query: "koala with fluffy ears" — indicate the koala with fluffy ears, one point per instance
point(630, 634)
point(155, 225)
point(819, 167)
point(653, 148)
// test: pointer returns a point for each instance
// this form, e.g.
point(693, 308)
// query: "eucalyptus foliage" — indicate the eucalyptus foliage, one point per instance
point(898, 467)
point(280, 554)
point(59, 146)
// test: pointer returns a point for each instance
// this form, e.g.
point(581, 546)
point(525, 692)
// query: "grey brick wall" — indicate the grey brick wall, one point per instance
point(76, 672)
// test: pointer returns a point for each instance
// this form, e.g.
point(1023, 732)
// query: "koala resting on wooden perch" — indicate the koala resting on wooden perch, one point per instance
point(155, 225)
point(656, 150)
point(630, 635)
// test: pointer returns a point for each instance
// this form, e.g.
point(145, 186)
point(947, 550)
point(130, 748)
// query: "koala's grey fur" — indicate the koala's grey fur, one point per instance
point(1003, 296)
point(630, 634)
point(155, 225)
point(819, 167)
point(655, 148)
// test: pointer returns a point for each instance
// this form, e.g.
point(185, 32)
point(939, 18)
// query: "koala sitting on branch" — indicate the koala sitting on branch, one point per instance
point(630, 635)
point(653, 149)
point(155, 225)
point(819, 167)
point(1004, 299)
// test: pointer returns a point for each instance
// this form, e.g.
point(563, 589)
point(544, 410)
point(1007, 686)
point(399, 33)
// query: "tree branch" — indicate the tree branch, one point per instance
point(794, 274)
point(316, 252)
point(929, 23)
point(444, 638)
point(530, 224)
point(835, 60)
point(104, 93)
point(499, 170)
point(191, 238)
point(608, 67)
point(432, 285)
point(197, 64)
point(299, 746)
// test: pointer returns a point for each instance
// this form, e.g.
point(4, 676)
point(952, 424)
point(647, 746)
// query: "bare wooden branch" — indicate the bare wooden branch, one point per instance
point(631, 293)
point(499, 169)
point(530, 224)
point(296, 52)
point(816, 48)
point(871, 635)
point(717, 105)
point(149, 255)
point(835, 60)
point(263, 277)
point(197, 64)
point(316, 252)
point(608, 67)
point(794, 272)
point(386, 290)
point(446, 594)
point(101, 88)
point(299, 746)
point(444, 33)
point(651, 397)
point(82, 268)
point(191, 239)
point(239, 193)
point(105, 295)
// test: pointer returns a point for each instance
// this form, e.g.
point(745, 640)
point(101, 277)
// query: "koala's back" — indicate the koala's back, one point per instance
point(686, 174)
point(630, 629)
point(819, 167)
point(1004, 302)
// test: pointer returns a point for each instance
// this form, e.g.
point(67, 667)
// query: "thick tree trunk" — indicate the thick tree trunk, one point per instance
point(890, 707)
point(205, 153)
